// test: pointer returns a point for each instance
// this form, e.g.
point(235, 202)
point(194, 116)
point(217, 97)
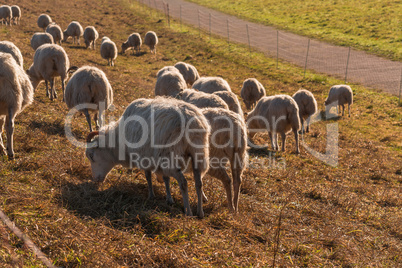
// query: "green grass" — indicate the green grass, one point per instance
point(373, 26)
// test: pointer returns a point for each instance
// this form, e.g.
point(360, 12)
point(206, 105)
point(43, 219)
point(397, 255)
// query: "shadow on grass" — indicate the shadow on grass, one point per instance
point(50, 128)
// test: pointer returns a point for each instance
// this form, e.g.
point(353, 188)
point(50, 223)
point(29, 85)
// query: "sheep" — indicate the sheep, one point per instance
point(151, 40)
point(9, 47)
point(231, 100)
point(211, 84)
point(74, 29)
point(277, 114)
point(6, 14)
point(188, 71)
point(307, 106)
point(251, 92)
point(56, 32)
point(89, 85)
point(133, 42)
point(16, 93)
point(339, 95)
point(39, 39)
point(44, 20)
point(158, 135)
point(16, 14)
point(90, 36)
point(201, 99)
point(170, 84)
point(50, 60)
point(166, 69)
point(108, 50)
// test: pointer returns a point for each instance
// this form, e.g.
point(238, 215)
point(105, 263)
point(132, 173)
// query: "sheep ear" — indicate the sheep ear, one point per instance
point(72, 69)
point(92, 135)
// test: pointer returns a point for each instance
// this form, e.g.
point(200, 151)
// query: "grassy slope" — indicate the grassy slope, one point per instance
point(333, 216)
point(372, 26)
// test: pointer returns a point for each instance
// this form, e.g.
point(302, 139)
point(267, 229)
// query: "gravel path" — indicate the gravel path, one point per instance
point(356, 66)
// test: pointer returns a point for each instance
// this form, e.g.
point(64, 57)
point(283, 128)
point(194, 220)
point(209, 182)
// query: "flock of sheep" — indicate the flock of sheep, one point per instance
point(183, 98)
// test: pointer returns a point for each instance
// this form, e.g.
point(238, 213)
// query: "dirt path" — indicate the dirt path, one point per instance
point(355, 66)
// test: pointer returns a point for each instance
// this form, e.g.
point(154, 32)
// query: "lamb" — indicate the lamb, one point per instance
point(133, 42)
point(9, 47)
point(50, 60)
point(170, 84)
point(166, 69)
point(90, 36)
point(211, 84)
point(6, 14)
point(231, 100)
point(89, 85)
point(56, 32)
point(201, 99)
point(39, 39)
point(339, 95)
point(16, 14)
point(151, 40)
point(44, 20)
point(307, 106)
point(251, 92)
point(277, 114)
point(74, 29)
point(16, 93)
point(188, 71)
point(180, 132)
point(108, 50)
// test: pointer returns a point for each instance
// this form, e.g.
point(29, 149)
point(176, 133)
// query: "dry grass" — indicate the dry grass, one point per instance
point(347, 215)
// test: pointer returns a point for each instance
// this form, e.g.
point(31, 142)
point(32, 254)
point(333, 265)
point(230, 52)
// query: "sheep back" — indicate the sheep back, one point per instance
point(9, 47)
point(188, 71)
point(44, 20)
point(39, 39)
point(231, 100)
point(211, 84)
point(306, 102)
point(201, 99)
point(73, 29)
point(166, 69)
point(170, 84)
point(55, 31)
point(251, 92)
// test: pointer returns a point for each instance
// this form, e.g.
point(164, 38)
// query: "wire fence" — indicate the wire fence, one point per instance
point(342, 62)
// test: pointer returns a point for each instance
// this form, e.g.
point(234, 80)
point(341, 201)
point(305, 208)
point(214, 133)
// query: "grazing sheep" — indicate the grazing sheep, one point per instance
point(9, 47)
point(16, 93)
point(188, 71)
point(201, 99)
point(251, 92)
point(231, 100)
point(339, 95)
point(50, 60)
point(277, 114)
point(157, 135)
point(307, 106)
point(133, 42)
point(211, 84)
point(74, 29)
point(6, 14)
point(56, 32)
point(89, 85)
point(16, 14)
point(166, 69)
point(170, 84)
point(108, 50)
point(90, 36)
point(39, 39)
point(44, 20)
point(151, 40)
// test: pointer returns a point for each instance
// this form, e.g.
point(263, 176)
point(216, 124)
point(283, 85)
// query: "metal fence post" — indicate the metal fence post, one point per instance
point(305, 66)
point(180, 18)
point(248, 37)
point(400, 89)
point(199, 25)
point(168, 14)
point(227, 23)
point(210, 27)
point(347, 65)
point(277, 48)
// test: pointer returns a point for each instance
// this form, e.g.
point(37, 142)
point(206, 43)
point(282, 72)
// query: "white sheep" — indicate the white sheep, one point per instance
point(9, 47)
point(133, 42)
point(161, 135)
point(6, 14)
point(277, 114)
point(56, 32)
point(89, 85)
point(108, 50)
point(201, 99)
point(75, 30)
point(211, 84)
point(188, 71)
point(16, 93)
point(231, 100)
point(39, 39)
point(43, 21)
point(339, 95)
point(90, 36)
point(50, 60)
point(251, 92)
point(170, 84)
point(151, 40)
point(16, 14)
point(307, 106)
point(166, 69)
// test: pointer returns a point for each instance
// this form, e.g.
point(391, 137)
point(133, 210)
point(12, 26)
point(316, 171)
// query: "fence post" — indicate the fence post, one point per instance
point(248, 37)
point(305, 66)
point(168, 14)
point(180, 19)
point(199, 25)
point(210, 27)
point(277, 48)
point(400, 89)
point(227, 23)
point(347, 65)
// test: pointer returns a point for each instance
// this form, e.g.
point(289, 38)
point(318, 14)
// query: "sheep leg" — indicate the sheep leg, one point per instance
point(283, 141)
point(349, 109)
point(276, 141)
point(297, 141)
point(302, 124)
point(2, 148)
point(184, 192)
point(88, 119)
point(337, 109)
point(169, 198)
point(47, 89)
point(63, 85)
point(10, 132)
point(198, 188)
point(272, 140)
point(96, 120)
point(222, 175)
point(343, 109)
point(308, 124)
point(148, 176)
point(236, 174)
point(52, 90)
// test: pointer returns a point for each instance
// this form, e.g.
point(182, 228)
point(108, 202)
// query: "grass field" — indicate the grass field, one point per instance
point(373, 26)
point(348, 215)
